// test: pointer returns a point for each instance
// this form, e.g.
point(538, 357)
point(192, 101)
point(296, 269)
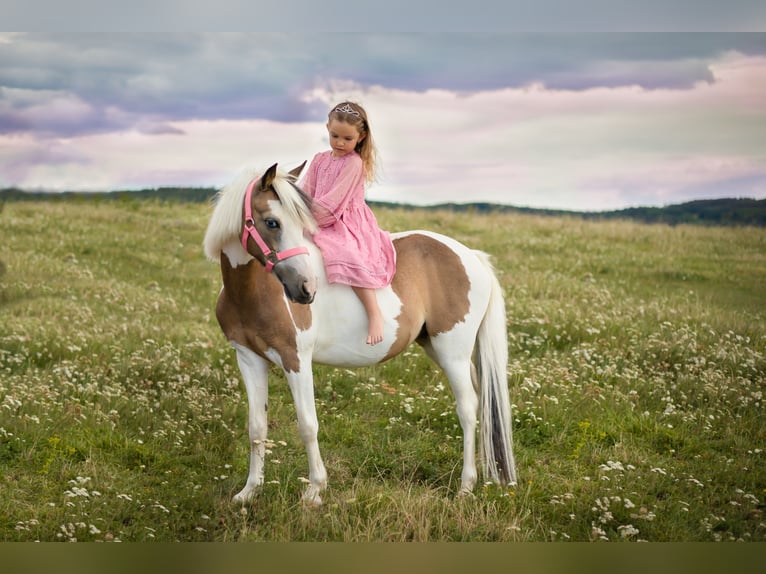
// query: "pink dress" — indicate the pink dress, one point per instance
point(356, 251)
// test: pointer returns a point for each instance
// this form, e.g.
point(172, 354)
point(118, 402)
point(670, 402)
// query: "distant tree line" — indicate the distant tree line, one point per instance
point(728, 211)
point(162, 194)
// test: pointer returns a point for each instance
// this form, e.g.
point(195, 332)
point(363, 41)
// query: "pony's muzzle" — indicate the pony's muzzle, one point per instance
point(298, 287)
point(306, 292)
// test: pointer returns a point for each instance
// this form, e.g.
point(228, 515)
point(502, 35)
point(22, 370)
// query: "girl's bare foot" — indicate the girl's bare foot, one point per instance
point(375, 333)
point(374, 316)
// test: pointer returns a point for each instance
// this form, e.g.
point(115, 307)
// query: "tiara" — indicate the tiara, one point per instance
point(347, 109)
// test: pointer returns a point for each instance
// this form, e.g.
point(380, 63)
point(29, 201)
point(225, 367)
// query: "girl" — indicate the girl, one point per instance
point(356, 251)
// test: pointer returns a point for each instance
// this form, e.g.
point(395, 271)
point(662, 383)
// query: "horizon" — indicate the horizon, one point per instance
point(448, 204)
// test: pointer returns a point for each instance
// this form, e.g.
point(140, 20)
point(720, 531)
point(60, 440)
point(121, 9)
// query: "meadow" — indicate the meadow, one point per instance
point(637, 372)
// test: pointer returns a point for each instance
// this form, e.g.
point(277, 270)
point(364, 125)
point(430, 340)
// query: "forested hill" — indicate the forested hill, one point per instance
point(184, 194)
point(711, 211)
point(728, 211)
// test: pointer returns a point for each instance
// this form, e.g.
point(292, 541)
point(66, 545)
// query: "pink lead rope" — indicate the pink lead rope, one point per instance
point(272, 258)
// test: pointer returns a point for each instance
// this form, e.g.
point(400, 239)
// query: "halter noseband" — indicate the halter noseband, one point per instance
point(272, 257)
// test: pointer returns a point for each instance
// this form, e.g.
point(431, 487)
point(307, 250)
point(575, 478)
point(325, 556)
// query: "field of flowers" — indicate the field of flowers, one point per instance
point(637, 373)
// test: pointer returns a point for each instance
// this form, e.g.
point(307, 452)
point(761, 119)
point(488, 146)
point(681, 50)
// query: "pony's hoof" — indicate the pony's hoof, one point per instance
point(465, 493)
point(311, 497)
point(245, 495)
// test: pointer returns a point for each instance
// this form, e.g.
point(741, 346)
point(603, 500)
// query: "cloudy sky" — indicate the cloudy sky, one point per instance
point(582, 121)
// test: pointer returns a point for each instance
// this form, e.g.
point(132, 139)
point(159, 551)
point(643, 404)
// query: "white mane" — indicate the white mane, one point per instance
point(226, 221)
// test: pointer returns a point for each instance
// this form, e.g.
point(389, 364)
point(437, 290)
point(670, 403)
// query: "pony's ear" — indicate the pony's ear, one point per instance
point(297, 171)
point(268, 177)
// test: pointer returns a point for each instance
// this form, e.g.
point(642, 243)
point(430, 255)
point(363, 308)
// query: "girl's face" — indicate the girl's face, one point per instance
point(343, 137)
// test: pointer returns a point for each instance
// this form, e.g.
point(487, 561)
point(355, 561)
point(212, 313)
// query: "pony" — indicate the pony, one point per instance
point(276, 306)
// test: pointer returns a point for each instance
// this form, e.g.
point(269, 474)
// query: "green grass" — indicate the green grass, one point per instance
point(637, 371)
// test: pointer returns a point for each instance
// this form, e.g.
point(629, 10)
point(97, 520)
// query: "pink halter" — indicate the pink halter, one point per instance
point(272, 257)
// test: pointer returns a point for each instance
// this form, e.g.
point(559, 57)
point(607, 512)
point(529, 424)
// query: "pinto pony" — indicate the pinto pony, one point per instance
point(277, 307)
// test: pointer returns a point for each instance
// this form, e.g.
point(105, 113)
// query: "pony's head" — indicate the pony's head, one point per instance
point(264, 217)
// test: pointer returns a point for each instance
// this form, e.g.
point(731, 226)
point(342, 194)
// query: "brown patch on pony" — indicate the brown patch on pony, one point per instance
point(433, 286)
point(249, 316)
point(301, 315)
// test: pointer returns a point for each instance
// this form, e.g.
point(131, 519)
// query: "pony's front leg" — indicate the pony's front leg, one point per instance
point(302, 388)
point(255, 371)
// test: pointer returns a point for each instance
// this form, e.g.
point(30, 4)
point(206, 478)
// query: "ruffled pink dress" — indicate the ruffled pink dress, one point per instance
point(356, 251)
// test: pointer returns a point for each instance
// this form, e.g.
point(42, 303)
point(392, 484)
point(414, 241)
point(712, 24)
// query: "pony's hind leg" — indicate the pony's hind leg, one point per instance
point(458, 371)
point(302, 388)
point(255, 374)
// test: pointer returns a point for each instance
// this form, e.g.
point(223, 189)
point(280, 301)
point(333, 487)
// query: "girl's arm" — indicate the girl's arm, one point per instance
point(309, 185)
point(328, 208)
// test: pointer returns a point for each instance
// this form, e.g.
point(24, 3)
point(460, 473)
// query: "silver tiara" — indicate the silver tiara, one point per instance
point(347, 109)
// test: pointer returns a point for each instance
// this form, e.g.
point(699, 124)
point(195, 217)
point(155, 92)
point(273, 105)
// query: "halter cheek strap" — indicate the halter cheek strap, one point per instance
point(271, 257)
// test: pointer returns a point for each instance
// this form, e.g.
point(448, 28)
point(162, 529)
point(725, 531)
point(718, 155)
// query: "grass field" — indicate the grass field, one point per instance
point(637, 372)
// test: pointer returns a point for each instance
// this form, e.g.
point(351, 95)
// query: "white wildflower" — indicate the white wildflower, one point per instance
point(627, 530)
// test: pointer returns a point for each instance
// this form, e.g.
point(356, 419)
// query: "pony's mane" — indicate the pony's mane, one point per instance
point(226, 221)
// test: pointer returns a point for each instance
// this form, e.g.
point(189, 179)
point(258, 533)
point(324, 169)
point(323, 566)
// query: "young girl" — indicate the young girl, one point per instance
point(356, 251)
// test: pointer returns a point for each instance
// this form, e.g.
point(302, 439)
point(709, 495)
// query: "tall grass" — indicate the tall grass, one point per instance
point(638, 366)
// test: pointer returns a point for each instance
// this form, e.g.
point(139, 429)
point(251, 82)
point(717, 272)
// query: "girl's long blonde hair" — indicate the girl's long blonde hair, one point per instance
point(355, 115)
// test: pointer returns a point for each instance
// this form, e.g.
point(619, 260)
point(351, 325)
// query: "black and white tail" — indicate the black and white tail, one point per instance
point(491, 361)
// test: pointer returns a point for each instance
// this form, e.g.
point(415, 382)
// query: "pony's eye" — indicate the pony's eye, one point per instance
point(271, 223)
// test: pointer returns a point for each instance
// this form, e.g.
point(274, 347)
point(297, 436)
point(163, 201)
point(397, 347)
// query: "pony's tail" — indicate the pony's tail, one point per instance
point(491, 360)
